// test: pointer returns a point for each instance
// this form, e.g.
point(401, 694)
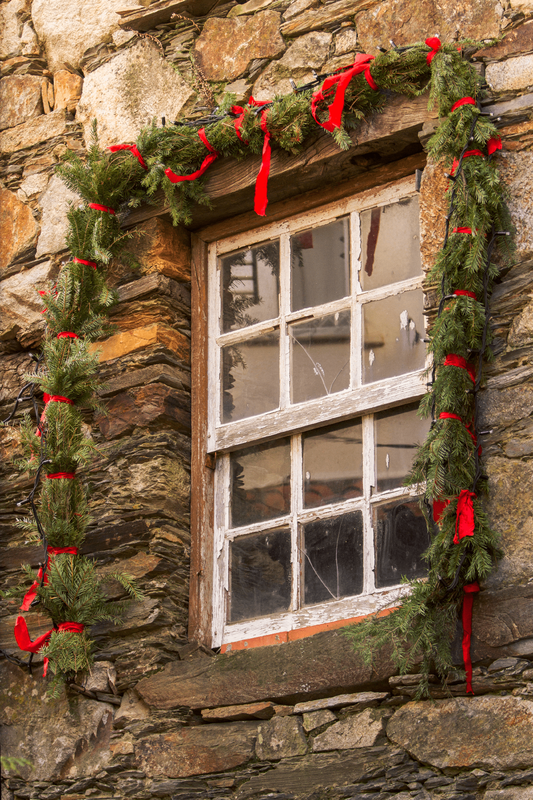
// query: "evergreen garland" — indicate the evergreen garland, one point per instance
point(447, 464)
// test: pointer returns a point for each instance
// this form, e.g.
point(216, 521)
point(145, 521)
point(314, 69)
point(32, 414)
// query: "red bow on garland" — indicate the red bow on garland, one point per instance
point(208, 160)
point(31, 594)
point(361, 64)
point(25, 643)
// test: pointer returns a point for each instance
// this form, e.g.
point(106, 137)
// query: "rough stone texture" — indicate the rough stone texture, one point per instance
point(307, 53)
point(234, 713)
point(193, 751)
point(315, 719)
point(521, 331)
point(510, 75)
point(21, 304)
point(129, 91)
point(345, 41)
point(78, 728)
point(226, 47)
point(55, 202)
point(100, 678)
point(515, 793)
point(132, 708)
point(514, 521)
point(314, 19)
point(33, 132)
point(32, 186)
point(403, 22)
point(249, 8)
point(486, 732)
point(359, 700)
point(519, 40)
point(161, 247)
point(263, 673)
point(67, 89)
point(516, 170)
point(16, 37)
point(122, 343)
point(360, 730)
point(142, 406)
point(298, 7)
point(68, 28)
point(19, 228)
point(281, 737)
point(20, 100)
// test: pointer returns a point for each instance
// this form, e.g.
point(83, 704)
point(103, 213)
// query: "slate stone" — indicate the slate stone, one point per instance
point(359, 700)
point(263, 710)
point(489, 732)
point(19, 234)
point(280, 737)
point(359, 730)
point(510, 75)
point(33, 132)
point(315, 719)
point(197, 750)
point(55, 202)
point(306, 54)
point(20, 99)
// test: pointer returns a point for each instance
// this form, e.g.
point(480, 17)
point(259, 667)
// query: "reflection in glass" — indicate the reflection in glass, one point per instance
point(260, 575)
point(320, 265)
point(320, 356)
point(250, 377)
point(390, 244)
point(333, 464)
point(401, 536)
point(333, 558)
point(398, 433)
point(250, 286)
point(260, 482)
point(393, 331)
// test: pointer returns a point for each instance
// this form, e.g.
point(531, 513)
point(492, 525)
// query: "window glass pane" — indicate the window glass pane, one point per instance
point(260, 575)
point(260, 483)
point(333, 464)
point(250, 286)
point(320, 352)
point(320, 265)
point(401, 536)
point(333, 558)
point(393, 331)
point(250, 377)
point(390, 244)
point(398, 432)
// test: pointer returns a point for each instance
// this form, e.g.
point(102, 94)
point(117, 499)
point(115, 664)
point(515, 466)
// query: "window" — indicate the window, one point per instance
point(316, 361)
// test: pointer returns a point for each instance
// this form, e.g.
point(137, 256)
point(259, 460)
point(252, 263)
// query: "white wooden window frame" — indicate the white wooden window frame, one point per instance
point(358, 400)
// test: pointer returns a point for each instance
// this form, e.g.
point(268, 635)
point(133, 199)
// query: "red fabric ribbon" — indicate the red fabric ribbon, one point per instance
point(469, 590)
point(465, 155)
point(435, 45)
point(449, 415)
point(361, 64)
point(464, 101)
point(465, 293)
point(261, 183)
point(238, 122)
point(208, 160)
point(494, 143)
point(31, 594)
point(87, 263)
point(453, 360)
point(438, 509)
point(51, 398)
point(462, 230)
point(465, 520)
point(68, 475)
point(133, 149)
point(98, 207)
point(67, 335)
point(25, 643)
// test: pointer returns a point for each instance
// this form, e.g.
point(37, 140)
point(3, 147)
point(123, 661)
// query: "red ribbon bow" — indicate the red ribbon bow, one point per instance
point(25, 643)
point(98, 207)
point(453, 360)
point(67, 335)
point(465, 293)
point(68, 475)
point(87, 263)
point(435, 45)
point(133, 149)
point(465, 520)
point(494, 143)
point(213, 154)
point(31, 594)
point(469, 590)
point(51, 398)
point(261, 183)
point(361, 64)
point(464, 101)
point(238, 122)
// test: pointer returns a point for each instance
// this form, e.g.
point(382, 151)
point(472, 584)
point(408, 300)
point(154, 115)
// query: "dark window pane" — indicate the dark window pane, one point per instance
point(250, 286)
point(320, 265)
point(393, 332)
point(250, 377)
point(333, 464)
point(333, 558)
point(398, 432)
point(260, 483)
point(320, 356)
point(390, 244)
point(260, 575)
point(401, 536)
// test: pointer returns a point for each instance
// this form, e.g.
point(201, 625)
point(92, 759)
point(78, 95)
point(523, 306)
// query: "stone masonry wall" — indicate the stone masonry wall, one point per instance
point(161, 716)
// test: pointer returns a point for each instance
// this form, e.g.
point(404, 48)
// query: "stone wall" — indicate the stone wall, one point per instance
point(162, 716)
